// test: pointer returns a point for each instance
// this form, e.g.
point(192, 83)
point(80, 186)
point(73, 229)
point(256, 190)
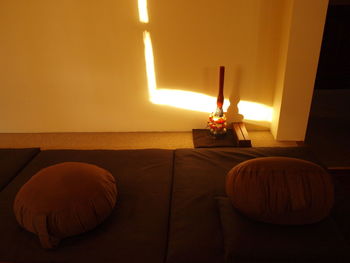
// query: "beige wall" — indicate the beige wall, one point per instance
point(78, 65)
point(281, 65)
point(299, 55)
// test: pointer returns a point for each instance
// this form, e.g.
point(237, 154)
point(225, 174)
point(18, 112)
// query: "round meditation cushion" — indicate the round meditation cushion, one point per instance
point(281, 190)
point(65, 199)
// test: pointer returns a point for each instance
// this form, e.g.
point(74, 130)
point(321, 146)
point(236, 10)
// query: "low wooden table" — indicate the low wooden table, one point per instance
point(236, 136)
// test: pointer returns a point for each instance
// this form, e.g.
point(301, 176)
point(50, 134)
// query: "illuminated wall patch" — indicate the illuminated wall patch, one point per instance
point(149, 58)
point(143, 11)
point(186, 100)
point(254, 111)
point(171, 97)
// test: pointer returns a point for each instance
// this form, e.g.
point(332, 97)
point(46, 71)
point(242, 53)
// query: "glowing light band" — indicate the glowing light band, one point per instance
point(171, 97)
point(149, 58)
point(254, 111)
point(143, 11)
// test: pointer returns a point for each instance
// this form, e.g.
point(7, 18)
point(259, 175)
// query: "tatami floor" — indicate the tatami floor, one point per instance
point(122, 140)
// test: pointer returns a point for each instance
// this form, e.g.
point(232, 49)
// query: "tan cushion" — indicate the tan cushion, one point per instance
point(281, 190)
point(65, 199)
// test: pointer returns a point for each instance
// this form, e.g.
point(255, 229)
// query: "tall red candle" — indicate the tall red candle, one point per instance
point(217, 120)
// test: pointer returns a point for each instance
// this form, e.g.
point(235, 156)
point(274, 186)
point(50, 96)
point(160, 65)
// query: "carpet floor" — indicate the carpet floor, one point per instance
point(120, 140)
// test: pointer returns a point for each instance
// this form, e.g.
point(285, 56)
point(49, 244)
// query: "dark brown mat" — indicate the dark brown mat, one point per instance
point(12, 161)
point(203, 139)
point(136, 230)
point(199, 176)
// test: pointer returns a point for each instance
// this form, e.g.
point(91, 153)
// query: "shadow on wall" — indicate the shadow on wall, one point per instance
point(233, 111)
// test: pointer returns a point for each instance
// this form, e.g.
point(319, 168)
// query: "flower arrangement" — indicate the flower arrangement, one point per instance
point(217, 124)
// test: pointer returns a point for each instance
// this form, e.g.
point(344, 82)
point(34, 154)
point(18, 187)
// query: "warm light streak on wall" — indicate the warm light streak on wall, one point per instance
point(176, 98)
point(254, 111)
point(149, 58)
point(143, 11)
point(186, 100)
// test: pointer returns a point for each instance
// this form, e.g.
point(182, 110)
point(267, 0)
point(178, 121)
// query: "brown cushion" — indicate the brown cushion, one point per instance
point(65, 199)
point(247, 240)
point(281, 190)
